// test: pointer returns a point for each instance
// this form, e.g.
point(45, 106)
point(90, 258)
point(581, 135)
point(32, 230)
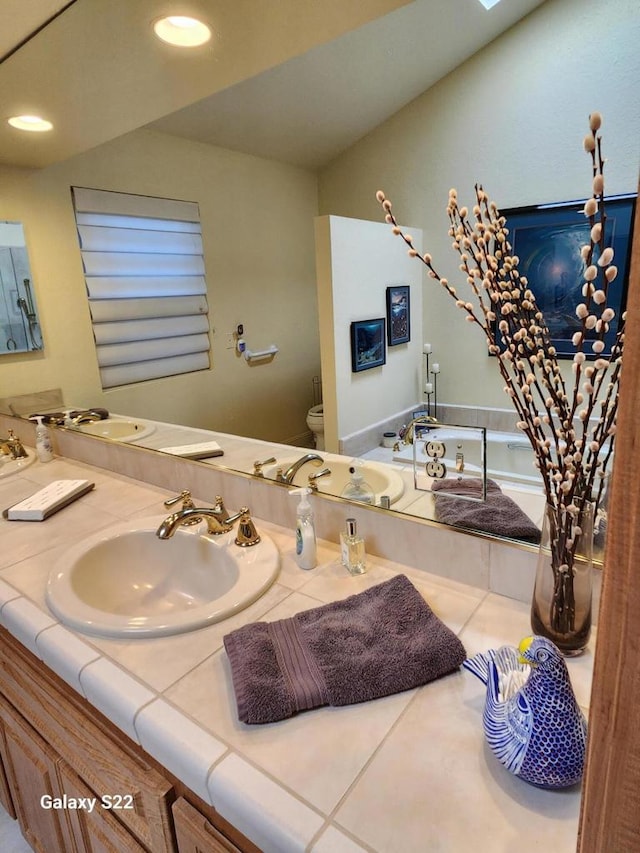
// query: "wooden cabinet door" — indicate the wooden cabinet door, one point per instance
point(31, 775)
point(99, 754)
point(196, 834)
point(95, 831)
point(5, 793)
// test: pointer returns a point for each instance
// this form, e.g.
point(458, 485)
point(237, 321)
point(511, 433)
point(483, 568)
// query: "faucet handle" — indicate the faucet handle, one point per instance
point(247, 533)
point(326, 472)
point(185, 496)
point(187, 503)
point(257, 466)
point(220, 509)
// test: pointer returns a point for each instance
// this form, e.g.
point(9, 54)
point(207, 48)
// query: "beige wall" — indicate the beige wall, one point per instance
point(257, 222)
point(513, 118)
point(356, 261)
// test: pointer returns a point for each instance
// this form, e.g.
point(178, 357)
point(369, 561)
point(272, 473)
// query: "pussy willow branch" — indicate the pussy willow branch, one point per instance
point(569, 452)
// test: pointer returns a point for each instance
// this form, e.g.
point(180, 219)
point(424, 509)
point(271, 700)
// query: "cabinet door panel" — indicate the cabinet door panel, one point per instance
point(101, 755)
point(5, 793)
point(97, 831)
point(31, 774)
point(196, 834)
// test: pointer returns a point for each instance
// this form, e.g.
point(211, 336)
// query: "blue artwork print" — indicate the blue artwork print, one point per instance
point(547, 241)
point(398, 319)
point(367, 344)
point(551, 261)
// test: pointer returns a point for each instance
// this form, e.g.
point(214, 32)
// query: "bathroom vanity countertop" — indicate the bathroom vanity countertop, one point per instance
point(406, 773)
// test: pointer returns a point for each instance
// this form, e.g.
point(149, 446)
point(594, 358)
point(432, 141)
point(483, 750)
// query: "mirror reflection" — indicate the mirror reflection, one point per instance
point(19, 326)
point(282, 141)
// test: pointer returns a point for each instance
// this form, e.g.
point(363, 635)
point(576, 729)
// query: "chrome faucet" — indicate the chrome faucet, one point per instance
point(12, 446)
point(288, 475)
point(217, 519)
point(86, 417)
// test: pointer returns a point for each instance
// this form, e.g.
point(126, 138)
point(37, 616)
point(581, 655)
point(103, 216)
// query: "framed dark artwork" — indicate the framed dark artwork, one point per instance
point(398, 315)
point(547, 240)
point(367, 344)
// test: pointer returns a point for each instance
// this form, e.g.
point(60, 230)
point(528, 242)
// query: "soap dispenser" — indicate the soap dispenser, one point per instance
point(357, 489)
point(44, 450)
point(306, 551)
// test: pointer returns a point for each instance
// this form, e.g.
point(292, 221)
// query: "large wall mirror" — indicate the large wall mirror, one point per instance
point(267, 136)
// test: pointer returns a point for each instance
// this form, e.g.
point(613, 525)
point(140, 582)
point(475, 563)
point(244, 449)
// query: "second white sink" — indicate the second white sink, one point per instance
point(15, 466)
point(125, 582)
point(118, 429)
point(382, 478)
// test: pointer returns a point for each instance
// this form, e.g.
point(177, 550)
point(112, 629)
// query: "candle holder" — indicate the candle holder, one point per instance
point(431, 385)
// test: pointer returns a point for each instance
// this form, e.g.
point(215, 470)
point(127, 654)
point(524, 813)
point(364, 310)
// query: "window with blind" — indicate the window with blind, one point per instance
point(146, 286)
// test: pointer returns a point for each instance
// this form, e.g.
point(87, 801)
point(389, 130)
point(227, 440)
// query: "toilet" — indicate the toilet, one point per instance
point(315, 422)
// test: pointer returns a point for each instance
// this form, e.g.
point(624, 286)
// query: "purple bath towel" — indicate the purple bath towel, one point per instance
point(381, 641)
point(498, 514)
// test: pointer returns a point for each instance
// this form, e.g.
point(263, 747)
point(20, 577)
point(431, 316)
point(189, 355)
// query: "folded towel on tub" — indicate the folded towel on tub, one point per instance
point(498, 514)
point(377, 642)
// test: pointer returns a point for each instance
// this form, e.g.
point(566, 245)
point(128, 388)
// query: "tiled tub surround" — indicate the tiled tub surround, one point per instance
point(409, 772)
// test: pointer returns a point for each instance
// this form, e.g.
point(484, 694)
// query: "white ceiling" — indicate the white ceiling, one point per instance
point(304, 110)
point(309, 109)
point(20, 18)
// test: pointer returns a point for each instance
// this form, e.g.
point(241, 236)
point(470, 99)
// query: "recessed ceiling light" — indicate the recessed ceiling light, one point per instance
point(35, 124)
point(182, 31)
point(489, 4)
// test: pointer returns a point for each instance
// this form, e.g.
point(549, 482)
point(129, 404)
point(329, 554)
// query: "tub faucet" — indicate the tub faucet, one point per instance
point(288, 475)
point(217, 519)
point(409, 432)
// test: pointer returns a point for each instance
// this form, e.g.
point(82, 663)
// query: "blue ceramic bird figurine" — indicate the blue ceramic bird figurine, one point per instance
point(531, 719)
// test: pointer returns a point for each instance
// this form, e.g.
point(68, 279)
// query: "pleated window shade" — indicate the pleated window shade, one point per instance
point(145, 278)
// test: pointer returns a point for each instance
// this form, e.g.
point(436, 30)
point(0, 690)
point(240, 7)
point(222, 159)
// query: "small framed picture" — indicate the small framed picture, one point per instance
point(398, 315)
point(367, 344)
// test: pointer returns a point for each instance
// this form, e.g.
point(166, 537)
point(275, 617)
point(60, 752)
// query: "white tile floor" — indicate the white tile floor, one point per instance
point(11, 840)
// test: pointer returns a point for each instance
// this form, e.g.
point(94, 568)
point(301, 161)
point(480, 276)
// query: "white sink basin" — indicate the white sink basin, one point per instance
point(15, 466)
point(118, 429)
point(125, 582)
point(382, 478)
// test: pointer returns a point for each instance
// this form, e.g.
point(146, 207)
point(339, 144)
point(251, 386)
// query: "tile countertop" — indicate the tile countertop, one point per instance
point(408, 772)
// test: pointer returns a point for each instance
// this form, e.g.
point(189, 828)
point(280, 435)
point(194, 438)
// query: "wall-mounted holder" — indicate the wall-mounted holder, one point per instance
point(258, 355)
point(253, 355)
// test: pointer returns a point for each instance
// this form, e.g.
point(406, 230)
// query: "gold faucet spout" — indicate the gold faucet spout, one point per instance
point(218, 521)
point(12, 446)
point(292, 470)
point(186, 516)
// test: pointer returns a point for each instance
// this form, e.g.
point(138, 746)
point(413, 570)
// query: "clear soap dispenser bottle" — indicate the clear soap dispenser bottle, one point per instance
point(352, 549)
point(44, 450)
point(357, 489)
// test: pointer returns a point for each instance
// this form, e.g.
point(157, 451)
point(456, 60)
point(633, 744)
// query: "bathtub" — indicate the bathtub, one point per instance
point(509, 456)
